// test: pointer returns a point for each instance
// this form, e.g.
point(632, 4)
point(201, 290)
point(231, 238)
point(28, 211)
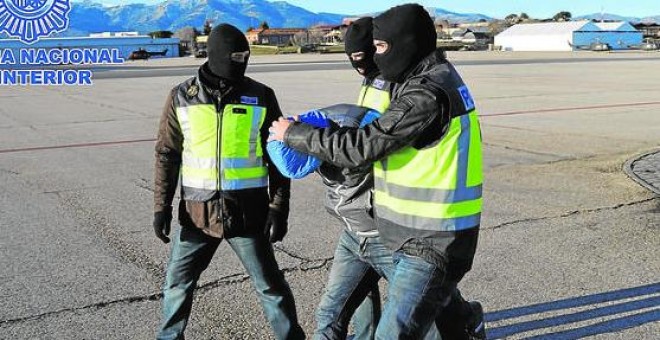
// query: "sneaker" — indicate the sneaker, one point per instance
point(476, 325)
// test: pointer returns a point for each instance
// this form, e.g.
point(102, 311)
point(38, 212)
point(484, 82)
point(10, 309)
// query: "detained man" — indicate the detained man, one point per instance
point(426, 153)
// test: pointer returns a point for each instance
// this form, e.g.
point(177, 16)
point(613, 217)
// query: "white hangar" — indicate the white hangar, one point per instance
point(567, 36)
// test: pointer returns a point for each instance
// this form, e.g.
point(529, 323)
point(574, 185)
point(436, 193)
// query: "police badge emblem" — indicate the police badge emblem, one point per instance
point(192, 91)
point(29, 20)
point(379, 83)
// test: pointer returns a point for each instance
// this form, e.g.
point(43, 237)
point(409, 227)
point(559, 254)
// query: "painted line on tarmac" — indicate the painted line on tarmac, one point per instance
point(184, 68)
point(577, 108)
point(194, 67)
point(302, 63)
point(82, 145)
point(511, 113)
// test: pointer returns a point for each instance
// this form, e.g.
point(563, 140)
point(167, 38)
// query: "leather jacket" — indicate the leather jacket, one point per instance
point(229, 213)
point(418, 116)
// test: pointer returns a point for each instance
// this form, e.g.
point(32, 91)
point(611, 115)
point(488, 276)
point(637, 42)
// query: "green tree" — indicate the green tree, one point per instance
point(524, 17)
point(562, 16)
point(496, 27)
point(208, 26)
point(512, 19)
point(264, 25)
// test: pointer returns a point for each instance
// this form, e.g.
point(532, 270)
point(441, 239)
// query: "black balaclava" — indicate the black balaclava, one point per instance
point(410, 33)
point(226, 48)
point(359, 38)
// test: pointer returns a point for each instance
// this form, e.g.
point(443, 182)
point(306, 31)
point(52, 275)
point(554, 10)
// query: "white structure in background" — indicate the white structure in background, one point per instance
point(559, 36)
point(115, 34)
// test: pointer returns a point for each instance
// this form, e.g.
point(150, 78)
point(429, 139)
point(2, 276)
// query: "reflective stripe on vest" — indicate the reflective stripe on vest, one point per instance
point(438, 188)
point(374, 98)
point(242, 154)
point(240, 162)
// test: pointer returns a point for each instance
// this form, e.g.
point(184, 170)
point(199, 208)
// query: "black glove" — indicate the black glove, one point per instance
point(162, 222)
point(276, 225)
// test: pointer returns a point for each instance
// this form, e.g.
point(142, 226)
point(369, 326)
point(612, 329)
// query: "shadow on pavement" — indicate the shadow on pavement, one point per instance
point(646, 303)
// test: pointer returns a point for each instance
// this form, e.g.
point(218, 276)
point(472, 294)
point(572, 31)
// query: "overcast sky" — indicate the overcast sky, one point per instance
point(494, 8)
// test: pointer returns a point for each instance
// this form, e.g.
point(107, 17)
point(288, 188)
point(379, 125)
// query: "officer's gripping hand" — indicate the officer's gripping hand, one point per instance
point(277, 225)
point(162, 223)
point(278, 128)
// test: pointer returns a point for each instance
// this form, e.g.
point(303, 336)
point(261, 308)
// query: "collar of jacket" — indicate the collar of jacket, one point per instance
point(437, 57)
point(372, 75)
point(214, 85)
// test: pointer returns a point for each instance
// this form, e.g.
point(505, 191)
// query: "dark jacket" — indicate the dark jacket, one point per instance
point(349, 190)
point(228, 213)
point(350, 203)
point(418, 116)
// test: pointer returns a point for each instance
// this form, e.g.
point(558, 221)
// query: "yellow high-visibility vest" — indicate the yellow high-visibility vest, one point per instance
point(375, 97)
point(438, 188)
point(221, 151)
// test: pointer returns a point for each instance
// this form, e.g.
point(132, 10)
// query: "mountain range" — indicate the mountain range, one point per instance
point(609, 16)
point(88, 16)
point(454, 17)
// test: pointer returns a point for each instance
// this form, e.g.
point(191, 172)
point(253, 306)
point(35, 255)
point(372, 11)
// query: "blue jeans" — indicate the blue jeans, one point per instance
point(358, 265)
point(419, 295)
point(192, 251)
point(366, 317)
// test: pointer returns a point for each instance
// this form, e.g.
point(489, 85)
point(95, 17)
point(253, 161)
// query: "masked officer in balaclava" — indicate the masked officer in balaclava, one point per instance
point(355, 271)
point(212, 135)
point(426, 151)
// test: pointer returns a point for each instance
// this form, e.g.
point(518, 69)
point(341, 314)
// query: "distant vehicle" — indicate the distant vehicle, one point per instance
point(595, 46)
point(201, 53)
point(142, 54)
point(306, 48)
point(647, 45)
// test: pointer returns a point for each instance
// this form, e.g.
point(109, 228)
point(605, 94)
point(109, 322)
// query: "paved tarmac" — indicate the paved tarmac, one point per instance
point(336, 62)
point(569, 247)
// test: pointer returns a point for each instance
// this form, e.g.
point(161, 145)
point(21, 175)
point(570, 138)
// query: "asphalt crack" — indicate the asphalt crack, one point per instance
point(563, 157)
point(144, 184)
point(128, 300)
point(571, 213)
point(306, 263)
point(11, 172)
point(290, 253)
point(221, 282)
point(98, 224)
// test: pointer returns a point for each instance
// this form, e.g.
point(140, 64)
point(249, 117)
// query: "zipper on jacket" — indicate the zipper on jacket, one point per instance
point(219, 112)
point(219, 154)
point(218, 120)
point(339, 203)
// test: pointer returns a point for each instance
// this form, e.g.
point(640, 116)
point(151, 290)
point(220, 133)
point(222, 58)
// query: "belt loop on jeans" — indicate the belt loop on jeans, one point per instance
point(367, 234)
